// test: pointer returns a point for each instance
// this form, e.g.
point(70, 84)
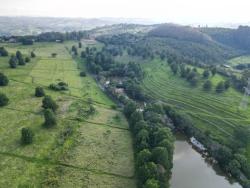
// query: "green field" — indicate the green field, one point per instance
point(239, 60)
point(217, 113)
point(98, 152)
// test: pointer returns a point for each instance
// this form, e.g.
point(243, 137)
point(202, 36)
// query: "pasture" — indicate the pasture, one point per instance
point(78, 151)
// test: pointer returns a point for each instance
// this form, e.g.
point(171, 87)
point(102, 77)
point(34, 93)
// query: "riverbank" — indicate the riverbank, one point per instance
point(191, 170)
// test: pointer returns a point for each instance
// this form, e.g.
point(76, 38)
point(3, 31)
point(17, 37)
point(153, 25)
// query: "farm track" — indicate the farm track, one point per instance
point(58, 163)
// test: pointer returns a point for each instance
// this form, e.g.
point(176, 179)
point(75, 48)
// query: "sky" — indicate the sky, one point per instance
point(179, 11)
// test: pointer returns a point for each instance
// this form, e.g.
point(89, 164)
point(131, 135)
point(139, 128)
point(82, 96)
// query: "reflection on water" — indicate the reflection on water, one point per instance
point(192, 171)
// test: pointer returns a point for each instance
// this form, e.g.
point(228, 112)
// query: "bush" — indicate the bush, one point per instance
point(49, 103)
point(26, 136)
point(152, 183)
point(39, 92)
point(3, 80)
point(3, 52)
point(207, 85)
point(82, 74)
point(206, 74)
point(13, 62)
point(32, 55)
point(61, 86)
point(21, 61)
point(19, 55)
point(3, 100)
point(227, 84)
point(27, 59)
point(220, 87)
point(49, 117)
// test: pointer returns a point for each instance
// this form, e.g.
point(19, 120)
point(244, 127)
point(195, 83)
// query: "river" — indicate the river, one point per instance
point(190, 169)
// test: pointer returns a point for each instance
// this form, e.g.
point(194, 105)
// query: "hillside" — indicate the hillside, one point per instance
point(236, 38)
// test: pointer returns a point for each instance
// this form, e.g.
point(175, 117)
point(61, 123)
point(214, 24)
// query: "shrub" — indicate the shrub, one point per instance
point(3, 100)
point(13, 62)
point(206, 74)
point(19, 55)
point(39, 92)
point(3, 80)
point(49, 117)
point(3, 52)
point(49, 103)
point(227, 84)
point(82, 74)
point(26, 136)
point(21, 61)
point(152, 183)
point(220, 87)
point(207, 85)
point(32, 55)
point(61, 86)
point(27, 59)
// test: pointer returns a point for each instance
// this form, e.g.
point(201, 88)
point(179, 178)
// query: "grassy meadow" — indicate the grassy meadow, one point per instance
point(97, 152)
point(217, 113)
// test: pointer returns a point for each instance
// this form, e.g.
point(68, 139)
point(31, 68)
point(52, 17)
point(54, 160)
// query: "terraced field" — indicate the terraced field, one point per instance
point(218, 113)
point(97, 152)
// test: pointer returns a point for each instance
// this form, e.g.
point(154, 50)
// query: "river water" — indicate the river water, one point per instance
point(192, 171)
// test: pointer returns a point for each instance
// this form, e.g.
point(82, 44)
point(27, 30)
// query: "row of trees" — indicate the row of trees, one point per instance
point(231, 158)
point(153, 144)
point(50, 108)
point(193, 77)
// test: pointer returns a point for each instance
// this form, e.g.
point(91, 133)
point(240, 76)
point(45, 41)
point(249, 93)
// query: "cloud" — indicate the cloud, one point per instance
point(164, 10)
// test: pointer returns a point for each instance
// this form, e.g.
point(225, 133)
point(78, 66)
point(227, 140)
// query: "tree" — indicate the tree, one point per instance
point(220, 87)
point(3, 80)
point(140, 125)
point(234, 168)
point(160, 156)
point(26, 136)
point(13, 62)
point(3, 52)
point(129, 109)
point(207, 85)
point(32, 54)
point(213, 71)
point(206, 74)
point(152, 183)
point(223, 155)
point(19, 55)
point(27, 59)
point(49, 117)
point(147, 171)
point(21, 61)
point(135, 117)
point(39, 92)
point(242, 136)
point(83, 54)
point(49, 103)
point(142, 139)
point(193, 81)
point(80, 45)
point(143, 157)
point(227, 84)
point(174, 68)
point(3, 100)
